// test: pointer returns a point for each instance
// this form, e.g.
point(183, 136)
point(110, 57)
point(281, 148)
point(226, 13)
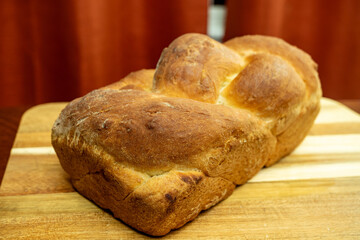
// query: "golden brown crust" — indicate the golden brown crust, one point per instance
point(158, 147)
point(298, 104)
point(301, 61)
point(267, 85)
point(169, 133)
point(186, 68)
point(158, 143)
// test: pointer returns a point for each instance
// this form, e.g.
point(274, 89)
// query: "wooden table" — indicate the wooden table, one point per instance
point(314, 193)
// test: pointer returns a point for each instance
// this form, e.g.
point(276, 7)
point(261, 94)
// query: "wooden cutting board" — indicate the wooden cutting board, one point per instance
point(314, 193)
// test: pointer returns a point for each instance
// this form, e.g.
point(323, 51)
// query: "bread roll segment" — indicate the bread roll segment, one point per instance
point(160, 146)
point(195, 66)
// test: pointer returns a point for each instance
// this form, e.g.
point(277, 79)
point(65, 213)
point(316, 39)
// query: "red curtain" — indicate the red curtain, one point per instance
point(328, 30)
point(59, 50)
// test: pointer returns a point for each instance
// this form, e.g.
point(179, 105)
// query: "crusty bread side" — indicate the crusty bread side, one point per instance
point(150, 158)
point(161, 145)
point(290, 92)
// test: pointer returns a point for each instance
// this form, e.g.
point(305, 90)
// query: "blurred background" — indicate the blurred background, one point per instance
point(59, 50)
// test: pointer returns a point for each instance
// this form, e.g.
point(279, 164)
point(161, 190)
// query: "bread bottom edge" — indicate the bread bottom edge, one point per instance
point(181, 198)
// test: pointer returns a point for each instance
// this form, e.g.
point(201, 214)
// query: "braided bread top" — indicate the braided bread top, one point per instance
point(266, 76)
point(264, 93)
point(159, 146)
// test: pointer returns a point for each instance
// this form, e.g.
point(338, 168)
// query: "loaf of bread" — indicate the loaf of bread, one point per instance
point(160, 146)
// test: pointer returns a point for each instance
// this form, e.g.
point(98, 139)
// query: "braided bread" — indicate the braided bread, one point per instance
point(160, 146)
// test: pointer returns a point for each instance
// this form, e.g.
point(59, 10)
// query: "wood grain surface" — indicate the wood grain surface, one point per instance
point(314, 193)
point(9, 122)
